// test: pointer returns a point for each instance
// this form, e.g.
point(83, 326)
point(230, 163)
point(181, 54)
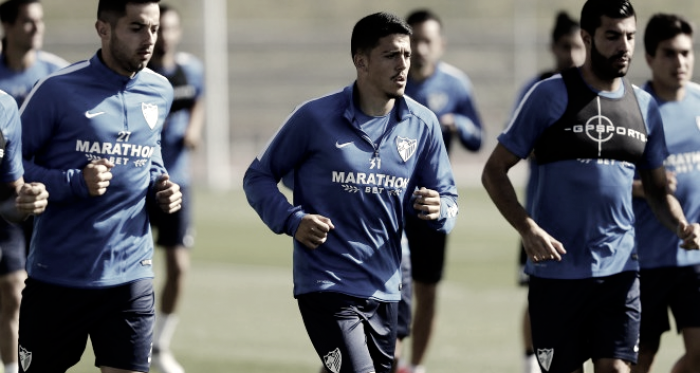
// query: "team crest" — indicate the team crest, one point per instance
point(150, 112)
point(25, 358)
point(333, 361)
point(406, 147)
point(544, 356)
point(437, 101)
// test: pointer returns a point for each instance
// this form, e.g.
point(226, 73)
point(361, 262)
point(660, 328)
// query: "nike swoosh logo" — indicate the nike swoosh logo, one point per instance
point(340, 146)
point(90, 115)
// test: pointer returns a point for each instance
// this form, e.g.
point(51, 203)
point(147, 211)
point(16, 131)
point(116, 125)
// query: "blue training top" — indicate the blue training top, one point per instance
point(363, 187)
point(188, 82)
point(586, 204)
point(449, 91)
point(18, 83)
point(82, 113)
point(657, 245)
point(11, 168)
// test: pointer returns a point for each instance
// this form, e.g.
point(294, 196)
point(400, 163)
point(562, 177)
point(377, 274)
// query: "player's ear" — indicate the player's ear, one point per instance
point(103, 29)
point(587, 38)
point(360, 61)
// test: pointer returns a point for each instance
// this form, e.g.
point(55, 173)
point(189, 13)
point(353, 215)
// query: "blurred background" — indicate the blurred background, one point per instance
point(238, 313)
point(281, 53)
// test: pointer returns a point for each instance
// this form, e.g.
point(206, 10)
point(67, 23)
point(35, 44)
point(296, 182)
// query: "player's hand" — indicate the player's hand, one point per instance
point(427, 204)
point(313, 230)
point(690, 235)
point(32, 198)
point(447, 121)
point(540, 246)
point(97, 175)
point(168, 194)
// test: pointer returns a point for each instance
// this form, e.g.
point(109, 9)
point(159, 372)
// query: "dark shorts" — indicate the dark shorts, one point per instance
point(403, 328)
point(675, 288)
point(427, 250)
point(574, 320)
point(13, 247)
point(55, 323)
point(523, 278)
point(350, 335)
point(174, 229)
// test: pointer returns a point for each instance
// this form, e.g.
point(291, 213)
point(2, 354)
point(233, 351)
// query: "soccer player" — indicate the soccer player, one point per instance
point(362, 158)
point(181, 134)
point(670, 275)
point(22, 63)
point(568, 51)
point(92, 134)
point(589, 128)
point(448, 92)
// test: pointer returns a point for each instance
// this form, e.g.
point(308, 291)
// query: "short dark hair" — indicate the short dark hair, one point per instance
point(164, 8)
point(368, 30)
point(564, 25)
point(422, 15)
point(112, 10)
point(9, 10)
point(594, 10)
point(663, 27)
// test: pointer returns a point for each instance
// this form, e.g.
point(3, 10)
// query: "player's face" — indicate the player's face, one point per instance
point(388, 64)
point(169, 33)
point(133, 37)
point(569, 51)
point(612, 47)
point(672, 65)
point(28, 30)
point(427, 44)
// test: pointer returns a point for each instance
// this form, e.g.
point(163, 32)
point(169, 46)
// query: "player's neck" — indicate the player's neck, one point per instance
point(19, 59)
point(374, 103)
point(666, 93)
point(165, 61)
point(598, 83)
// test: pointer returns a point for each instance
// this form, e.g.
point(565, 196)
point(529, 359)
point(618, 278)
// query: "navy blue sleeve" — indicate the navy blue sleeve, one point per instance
point(280, 156)
point(39, 114)
point(435, 172)
point(467, 120)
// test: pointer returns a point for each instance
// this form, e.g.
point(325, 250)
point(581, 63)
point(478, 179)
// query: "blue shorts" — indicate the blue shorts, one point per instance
point(403, 328)
point(174, 229)
point(350, 335)
point(574, 320)
point(677, 288)
point(13, 247)
point(427, 250)
point(55, 323)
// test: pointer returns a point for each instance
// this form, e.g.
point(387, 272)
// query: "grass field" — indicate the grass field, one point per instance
point(239, 314)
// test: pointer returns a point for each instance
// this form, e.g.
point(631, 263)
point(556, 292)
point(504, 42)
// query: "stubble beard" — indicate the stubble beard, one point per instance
point(602, 66)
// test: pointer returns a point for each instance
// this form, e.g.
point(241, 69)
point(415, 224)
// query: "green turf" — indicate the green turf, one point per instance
point(239, 315)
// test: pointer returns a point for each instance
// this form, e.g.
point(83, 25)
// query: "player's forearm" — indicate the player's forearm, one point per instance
point(470, 132)
point(502, 193)
point(64, 185)
point(264, 196)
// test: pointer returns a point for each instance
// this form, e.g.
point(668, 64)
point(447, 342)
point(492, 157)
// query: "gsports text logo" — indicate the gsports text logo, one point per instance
point(600, 129)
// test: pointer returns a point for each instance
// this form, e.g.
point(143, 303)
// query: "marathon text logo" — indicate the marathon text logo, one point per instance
point(370, 182)
point(683, 162)
point(117, 153)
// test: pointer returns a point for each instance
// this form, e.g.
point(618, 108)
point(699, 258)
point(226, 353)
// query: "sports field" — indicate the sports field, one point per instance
point(239, 314)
